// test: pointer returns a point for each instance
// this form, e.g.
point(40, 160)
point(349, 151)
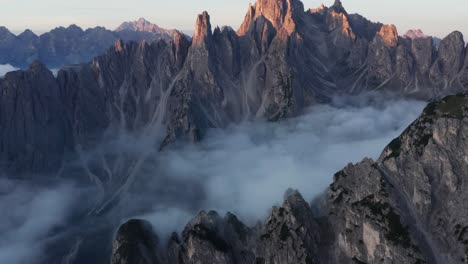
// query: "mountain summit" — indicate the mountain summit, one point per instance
point(143, 25)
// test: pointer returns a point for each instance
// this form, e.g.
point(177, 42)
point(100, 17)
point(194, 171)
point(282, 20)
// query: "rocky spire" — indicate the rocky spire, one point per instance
point(337, 3)
point(450, 59)
point(338, 24)
point(202, 29)
point(338, 7)
point(281, 14)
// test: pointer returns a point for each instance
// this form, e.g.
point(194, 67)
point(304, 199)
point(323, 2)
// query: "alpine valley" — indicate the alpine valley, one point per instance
point(110, 128)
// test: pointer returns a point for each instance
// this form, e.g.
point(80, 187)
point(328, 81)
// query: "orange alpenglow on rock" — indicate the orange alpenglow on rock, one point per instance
point(118, 45)
point(202, 29)
point(389, 35)
point(281, 14)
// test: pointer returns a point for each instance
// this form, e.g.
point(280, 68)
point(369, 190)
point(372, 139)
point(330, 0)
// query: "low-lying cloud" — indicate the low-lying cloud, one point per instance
point(244, 169)
point(29, 214)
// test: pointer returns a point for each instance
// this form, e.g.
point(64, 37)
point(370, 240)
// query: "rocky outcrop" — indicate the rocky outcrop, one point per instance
point(366, 221)
point(389, 35)
point(289, 235)
point(449, 62)
point(427, 164)
point(136, 243)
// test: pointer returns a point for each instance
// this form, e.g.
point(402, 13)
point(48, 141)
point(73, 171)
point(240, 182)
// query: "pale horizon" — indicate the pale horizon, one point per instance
point(436, 18)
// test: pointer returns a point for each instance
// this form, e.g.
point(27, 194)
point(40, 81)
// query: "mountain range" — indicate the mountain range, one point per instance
point(282, 60)
point(406, 207)
point(72, 45)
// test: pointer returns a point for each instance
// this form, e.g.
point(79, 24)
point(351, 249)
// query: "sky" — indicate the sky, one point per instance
point(434, 17)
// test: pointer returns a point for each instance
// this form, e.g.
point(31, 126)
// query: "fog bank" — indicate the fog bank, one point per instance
point(244, 169)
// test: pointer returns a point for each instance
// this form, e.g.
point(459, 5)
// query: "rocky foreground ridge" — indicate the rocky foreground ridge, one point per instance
point(406, 207)
point(281, 60)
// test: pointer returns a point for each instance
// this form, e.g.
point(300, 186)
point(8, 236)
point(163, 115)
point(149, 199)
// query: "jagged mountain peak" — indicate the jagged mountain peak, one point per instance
point(337, 3)
point(143, 20)
point(282, 14)
point(27, 33)
point(5, 31)
point(143, 25)
point(75, 28)
point(202, 29)
point(338, 7)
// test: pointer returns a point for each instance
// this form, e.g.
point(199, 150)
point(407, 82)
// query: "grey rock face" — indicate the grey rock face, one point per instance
point(289, 235)
point(427, 164)
point(34, 132)
point(70, 113)
point(366, 221)
point(208, 238)
point(450, 60)
point(380, 59)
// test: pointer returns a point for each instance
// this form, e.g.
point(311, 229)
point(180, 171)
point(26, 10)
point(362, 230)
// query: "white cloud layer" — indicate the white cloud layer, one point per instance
point(244, 169)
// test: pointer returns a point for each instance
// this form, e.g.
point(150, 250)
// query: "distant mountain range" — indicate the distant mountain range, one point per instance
point(72, 45)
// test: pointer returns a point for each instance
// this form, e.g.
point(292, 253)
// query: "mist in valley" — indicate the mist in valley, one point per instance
point(243, 169)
